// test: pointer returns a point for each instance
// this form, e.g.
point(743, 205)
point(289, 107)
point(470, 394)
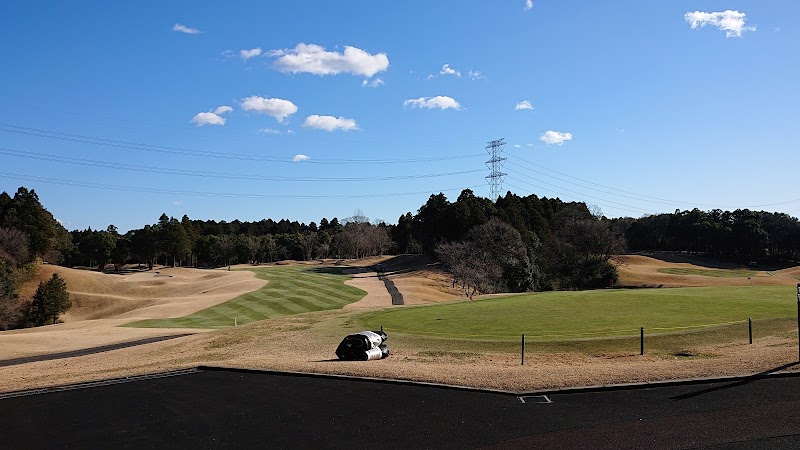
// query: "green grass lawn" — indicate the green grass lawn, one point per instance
point(576, 315)
point(718, 273)
point(291, 290)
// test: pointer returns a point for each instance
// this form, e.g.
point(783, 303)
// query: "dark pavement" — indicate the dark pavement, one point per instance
point(218, 408)
point(89, 351)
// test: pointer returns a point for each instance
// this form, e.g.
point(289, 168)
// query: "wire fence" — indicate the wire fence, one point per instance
point(658, 339)
point(590, 334)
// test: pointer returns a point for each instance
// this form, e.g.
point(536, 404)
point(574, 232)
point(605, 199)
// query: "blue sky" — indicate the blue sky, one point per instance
point(636, 107)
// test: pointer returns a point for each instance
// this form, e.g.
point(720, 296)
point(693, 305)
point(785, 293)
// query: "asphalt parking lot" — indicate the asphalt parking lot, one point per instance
point(223, 408)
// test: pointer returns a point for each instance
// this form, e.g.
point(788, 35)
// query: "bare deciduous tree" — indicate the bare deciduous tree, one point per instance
point(308, 239)
point(14, 246)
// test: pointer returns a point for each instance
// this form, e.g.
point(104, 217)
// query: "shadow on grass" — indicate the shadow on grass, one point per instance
point(339, 270)
point(750, 379)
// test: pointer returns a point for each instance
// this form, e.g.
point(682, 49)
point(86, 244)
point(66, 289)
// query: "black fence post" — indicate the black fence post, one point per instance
point(523, 349)
point(641, 341)
point(750, 328)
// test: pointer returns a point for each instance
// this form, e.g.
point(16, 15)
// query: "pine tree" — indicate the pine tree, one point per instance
point(51, 299)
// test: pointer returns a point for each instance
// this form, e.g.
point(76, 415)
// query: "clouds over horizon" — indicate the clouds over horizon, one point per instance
point(314, 59)
point(184, 29)
point(278, 108)
point(729, 21)
point(330, 123)
point(212, 117)
point(555, 137)
point(440, 102)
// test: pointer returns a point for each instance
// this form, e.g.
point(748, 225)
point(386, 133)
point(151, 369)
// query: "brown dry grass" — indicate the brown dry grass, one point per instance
point(642, 270)
point(102, 302)
point(306, 342)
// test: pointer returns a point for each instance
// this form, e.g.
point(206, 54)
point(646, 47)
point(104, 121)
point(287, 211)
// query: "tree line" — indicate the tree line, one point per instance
point(199, 243)
point(741, 235)
point(514, 243)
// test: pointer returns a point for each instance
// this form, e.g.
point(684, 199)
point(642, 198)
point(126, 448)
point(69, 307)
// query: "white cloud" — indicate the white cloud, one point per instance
point(475, 75)
point(440, 101)
point(529, 145)
point(300, 158)
point(252, 53)
point(330, 123)
point(177, 202)
point(517, 146)
point(289, 131)
point(528, 5)
point(185, 29)
point(212, 117)
point(269, 131)
point(555, 137)
point(777, 29)
point(310, 58)
point(447, 70)
point(374, 83)
point(525, 104)
point(731, 22)
point(208, 118)
point(226, 55)
point(278, 108)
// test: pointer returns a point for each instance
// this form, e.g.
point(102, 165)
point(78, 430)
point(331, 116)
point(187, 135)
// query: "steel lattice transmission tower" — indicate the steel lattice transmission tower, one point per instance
point(495, 163)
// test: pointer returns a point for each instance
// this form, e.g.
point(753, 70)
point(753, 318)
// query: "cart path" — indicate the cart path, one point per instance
point(89, 351)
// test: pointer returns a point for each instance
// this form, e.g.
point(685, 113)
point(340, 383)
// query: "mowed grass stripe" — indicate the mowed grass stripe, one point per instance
point(311, 293)
point(291, 290)
point(312, 304)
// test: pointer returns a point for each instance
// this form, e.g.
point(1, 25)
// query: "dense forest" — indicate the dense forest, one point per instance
point(511, 244)
point(742, 235)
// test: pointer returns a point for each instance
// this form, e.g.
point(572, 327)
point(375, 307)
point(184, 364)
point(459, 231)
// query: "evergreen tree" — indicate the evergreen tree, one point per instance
point(51, 299)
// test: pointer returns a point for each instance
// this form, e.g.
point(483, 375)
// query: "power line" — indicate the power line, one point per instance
point(598, 204)
point(196, 173)
point(641, 197)
point(592, 183)
point(601, 202)
point(63, 182)
point(83, 139)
